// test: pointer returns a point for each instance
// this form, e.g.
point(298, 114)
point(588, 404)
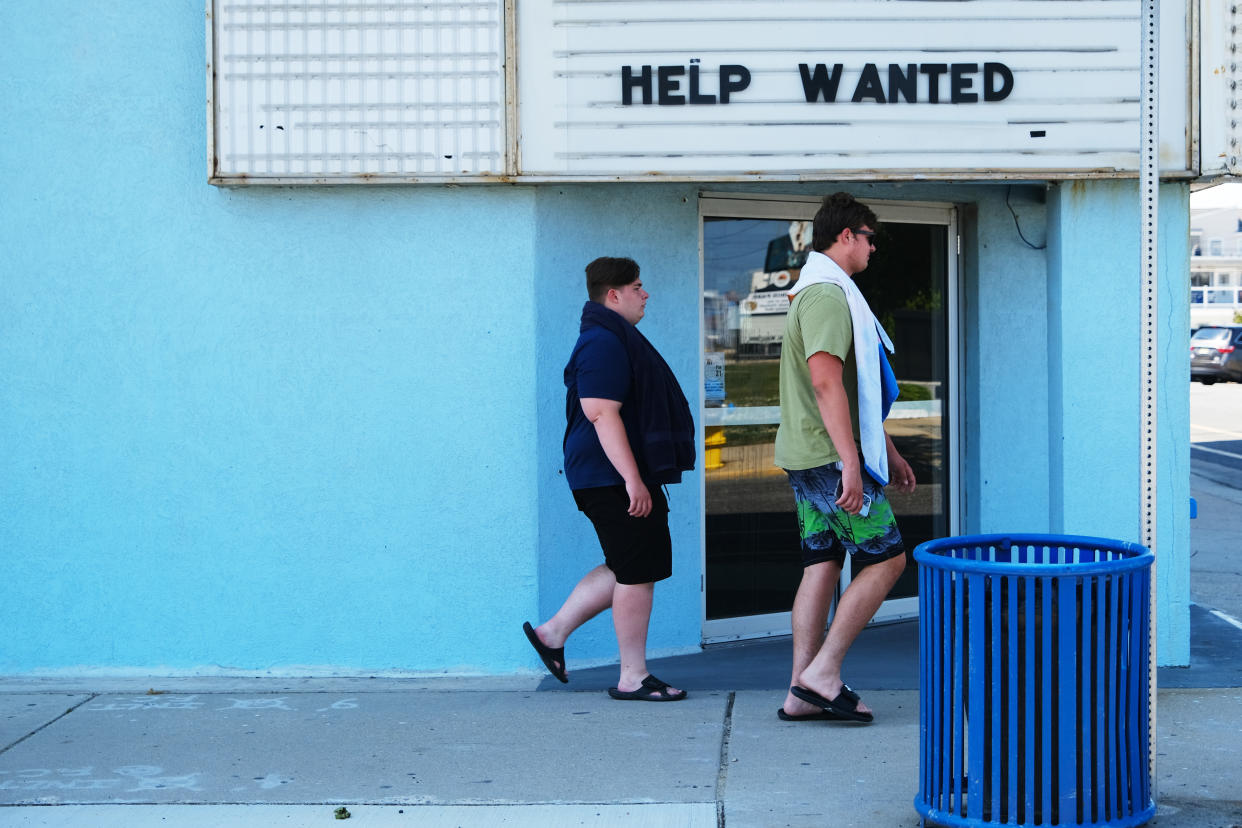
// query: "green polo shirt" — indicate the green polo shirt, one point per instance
point(818, 320)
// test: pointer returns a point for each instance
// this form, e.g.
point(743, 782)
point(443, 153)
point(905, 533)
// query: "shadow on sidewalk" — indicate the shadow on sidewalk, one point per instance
point(886, 657)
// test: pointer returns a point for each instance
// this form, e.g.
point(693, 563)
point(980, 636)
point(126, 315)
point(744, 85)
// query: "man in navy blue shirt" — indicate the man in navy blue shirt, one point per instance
point(628, 433)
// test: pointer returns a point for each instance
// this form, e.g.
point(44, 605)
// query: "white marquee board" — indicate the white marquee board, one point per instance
point(609, 87)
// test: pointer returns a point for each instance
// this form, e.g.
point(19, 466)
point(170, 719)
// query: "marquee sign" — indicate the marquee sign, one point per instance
point(902, 88)
point(443, 90)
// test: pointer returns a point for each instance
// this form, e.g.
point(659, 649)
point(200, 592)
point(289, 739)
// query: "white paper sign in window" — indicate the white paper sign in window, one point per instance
point(350, 89)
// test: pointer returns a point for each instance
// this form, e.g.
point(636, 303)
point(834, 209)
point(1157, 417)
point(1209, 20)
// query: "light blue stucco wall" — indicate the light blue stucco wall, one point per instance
point(319, 429)
point(251, 429)
point(1094, 412)
point(657, 226)
point(297, 435)
point(1005, 360)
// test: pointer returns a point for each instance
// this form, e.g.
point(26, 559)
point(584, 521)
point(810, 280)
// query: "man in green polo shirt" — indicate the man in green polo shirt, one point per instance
point(827, 413)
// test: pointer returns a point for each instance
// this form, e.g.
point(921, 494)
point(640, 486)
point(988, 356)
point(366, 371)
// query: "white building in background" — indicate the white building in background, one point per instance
point(1215, 265)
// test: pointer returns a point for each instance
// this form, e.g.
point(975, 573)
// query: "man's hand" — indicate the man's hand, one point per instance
point(640, 498)
point(900, 475)
point(851, 499)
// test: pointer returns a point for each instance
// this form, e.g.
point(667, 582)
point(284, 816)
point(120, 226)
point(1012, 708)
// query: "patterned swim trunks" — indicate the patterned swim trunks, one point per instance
point(829, 533)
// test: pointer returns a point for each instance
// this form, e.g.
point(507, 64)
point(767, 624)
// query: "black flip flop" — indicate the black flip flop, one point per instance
point(652, 689)
point(821, 716)
point(554, 660)
point(844, 705)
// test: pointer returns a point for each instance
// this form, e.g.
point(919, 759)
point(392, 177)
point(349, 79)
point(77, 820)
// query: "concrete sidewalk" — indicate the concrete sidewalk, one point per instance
point(529, 751)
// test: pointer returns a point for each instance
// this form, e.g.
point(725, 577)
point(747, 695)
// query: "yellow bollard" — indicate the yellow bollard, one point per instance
point(713, 439)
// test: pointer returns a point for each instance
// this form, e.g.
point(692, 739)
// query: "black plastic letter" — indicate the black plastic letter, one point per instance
point(869, 85)
point(933, 72)
point(820, 82)
point(907, 83)
point(991, 71)
point(628, 82)
point(668, 85)
point(733, 78)
point(695, 96)
point(960, 83)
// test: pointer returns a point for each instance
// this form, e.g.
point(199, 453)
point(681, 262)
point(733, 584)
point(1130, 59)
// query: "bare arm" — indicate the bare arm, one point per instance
point(605, 415)
point(834, 410)
point(899, 472)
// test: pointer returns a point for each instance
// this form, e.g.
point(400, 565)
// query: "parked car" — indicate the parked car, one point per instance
point(1216, 354)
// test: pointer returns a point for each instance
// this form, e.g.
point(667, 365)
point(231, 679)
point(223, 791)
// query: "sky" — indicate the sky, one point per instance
point(1222, 195)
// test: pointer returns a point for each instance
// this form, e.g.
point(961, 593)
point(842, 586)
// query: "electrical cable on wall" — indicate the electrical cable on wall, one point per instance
point(1012, 212)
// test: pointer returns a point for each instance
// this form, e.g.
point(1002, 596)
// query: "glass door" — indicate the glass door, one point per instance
point(752, 252)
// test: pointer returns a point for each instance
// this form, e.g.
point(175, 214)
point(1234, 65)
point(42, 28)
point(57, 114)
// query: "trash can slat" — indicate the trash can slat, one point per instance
point(1045, 727)
point(1100, 739)
point(996, 753)
point(1012, 610)
point(976, 674)
point(958, 711)
point(1114, 689)
point(1068, 691)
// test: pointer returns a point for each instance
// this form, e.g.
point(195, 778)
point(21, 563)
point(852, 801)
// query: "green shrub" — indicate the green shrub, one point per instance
point(912, 391)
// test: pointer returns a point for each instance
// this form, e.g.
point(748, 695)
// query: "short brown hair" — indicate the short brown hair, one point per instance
point(606, 273)
point(837, 212)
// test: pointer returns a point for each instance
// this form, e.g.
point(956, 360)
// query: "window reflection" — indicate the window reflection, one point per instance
point(753, 558)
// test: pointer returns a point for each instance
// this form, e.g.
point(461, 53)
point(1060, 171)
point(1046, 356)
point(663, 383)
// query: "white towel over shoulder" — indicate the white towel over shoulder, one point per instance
point(868, 336)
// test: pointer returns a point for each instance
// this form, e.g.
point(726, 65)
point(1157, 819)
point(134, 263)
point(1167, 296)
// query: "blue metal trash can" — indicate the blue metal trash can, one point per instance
point(1034, 681)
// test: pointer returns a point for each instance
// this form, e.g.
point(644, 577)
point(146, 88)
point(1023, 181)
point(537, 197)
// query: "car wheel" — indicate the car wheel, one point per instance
point(1207, 380)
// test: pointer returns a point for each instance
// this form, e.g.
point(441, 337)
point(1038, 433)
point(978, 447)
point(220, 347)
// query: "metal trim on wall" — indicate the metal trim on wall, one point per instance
point(1149, 385)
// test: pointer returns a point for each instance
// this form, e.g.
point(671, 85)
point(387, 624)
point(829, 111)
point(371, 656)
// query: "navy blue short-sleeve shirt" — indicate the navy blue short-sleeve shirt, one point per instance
point(600, 368)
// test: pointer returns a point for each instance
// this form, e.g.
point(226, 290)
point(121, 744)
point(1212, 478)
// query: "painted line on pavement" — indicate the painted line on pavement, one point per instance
point(1227, 618)
point(649, 815)
point(1232, 454)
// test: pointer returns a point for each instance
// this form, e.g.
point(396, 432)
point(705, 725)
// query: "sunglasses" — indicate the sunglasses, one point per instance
point(866, 233)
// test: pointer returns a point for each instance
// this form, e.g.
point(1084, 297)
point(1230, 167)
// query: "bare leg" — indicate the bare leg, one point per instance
point(855, 609)
point(631, 614)
point(592, 595)
point(810, 616)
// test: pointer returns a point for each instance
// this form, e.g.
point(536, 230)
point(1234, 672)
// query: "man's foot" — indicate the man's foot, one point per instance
point(846, 703)
point(796, 707)
point(651, 689)
point(552, 658)
point(817, 716)
point(827, 688)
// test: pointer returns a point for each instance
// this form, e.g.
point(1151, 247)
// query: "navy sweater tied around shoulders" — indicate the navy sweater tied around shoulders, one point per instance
point(665, 426)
